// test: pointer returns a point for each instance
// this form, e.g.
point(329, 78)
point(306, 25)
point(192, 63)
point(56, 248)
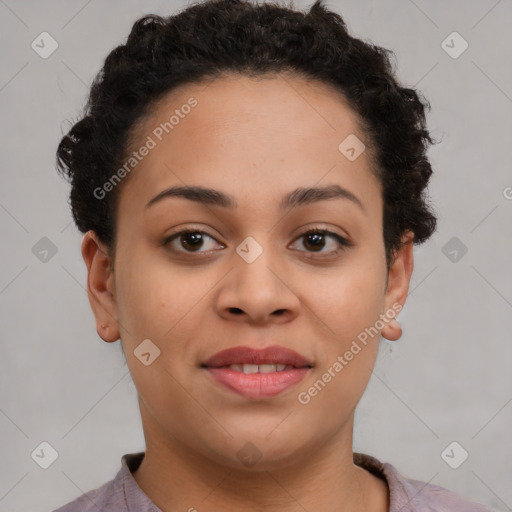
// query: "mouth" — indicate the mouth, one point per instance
point(253, 360)
point(259, 368)
point(257, 373)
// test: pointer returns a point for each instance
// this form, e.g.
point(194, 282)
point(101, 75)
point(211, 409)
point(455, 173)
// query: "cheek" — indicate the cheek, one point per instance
point(160, 304)
point(347, 301)
point(164, 305)
point(349, 306)
point(159, 300)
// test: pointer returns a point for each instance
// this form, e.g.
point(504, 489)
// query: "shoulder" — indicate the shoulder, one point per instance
point(120, 494)
point(410, 495)
point(99, 498)
point(425, 497)
point(106, 497)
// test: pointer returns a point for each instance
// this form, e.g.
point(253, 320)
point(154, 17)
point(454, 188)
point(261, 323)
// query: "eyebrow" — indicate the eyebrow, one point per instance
point(298, 197)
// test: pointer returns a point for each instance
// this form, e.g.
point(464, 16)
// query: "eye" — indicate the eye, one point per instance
point(314, 241)
point(190, 239)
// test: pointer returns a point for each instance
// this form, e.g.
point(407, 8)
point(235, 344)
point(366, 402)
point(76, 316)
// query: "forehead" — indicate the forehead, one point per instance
point(249, 136)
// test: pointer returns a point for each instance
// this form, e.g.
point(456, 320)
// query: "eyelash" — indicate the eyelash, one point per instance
point(343, 242)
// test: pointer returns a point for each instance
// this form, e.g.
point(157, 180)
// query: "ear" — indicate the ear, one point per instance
point(398, 280)
point(100, 286)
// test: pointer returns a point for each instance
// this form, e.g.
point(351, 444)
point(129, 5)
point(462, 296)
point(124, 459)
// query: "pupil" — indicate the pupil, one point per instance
point(317, 237)
point(195, 237)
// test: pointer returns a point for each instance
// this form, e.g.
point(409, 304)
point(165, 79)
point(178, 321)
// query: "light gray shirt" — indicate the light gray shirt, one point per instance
point(122, 494)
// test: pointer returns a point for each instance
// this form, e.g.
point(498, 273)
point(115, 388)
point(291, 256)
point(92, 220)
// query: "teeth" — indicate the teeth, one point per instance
point(267, 368)
point(250, 368)
point(261, 368)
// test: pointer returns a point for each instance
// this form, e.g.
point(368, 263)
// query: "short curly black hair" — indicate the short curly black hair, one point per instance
point(211, 38)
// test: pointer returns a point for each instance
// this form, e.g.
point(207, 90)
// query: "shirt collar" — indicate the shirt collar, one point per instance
point(136, 499)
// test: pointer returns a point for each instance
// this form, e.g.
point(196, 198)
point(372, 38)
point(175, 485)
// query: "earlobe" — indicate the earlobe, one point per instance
point(399, 277)
point(392, 331)
point(100, 286)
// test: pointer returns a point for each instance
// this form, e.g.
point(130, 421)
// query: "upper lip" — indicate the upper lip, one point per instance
point(274, 354)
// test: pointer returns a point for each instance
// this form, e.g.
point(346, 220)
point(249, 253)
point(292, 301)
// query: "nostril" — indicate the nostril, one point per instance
point(237, 311)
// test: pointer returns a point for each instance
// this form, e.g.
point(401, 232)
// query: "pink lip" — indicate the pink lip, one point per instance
point(257, 385)
point(247, 355)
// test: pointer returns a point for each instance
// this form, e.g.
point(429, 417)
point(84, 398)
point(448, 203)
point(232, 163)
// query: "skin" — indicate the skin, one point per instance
point(255, 139)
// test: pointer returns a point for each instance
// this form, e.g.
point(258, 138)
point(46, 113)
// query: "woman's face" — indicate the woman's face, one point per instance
point(253, 278)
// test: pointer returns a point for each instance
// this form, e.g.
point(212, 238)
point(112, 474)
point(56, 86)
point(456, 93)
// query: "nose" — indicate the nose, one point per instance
point(258, 292)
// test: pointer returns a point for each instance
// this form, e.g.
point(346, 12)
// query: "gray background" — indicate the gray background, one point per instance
point(449, 377)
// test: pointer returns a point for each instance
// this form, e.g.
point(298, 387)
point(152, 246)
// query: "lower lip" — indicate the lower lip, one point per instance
point(258, 385)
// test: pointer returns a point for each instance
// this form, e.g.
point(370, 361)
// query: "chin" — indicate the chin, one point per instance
point(255, 453)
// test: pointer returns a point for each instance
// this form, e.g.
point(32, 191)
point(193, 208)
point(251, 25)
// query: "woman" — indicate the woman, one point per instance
point(250, 181)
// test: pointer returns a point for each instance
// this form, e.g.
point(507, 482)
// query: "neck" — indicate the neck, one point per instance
point(177, 477)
